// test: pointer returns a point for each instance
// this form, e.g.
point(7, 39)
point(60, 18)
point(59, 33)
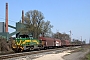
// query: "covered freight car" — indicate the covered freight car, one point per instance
point(50, 42)
point(65, 42)
point(57, 43)
point(47, 42)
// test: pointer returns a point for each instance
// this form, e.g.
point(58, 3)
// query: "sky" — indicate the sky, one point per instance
point(64, 15)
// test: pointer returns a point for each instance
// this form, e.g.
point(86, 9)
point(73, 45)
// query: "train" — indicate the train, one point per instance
point(27, 42)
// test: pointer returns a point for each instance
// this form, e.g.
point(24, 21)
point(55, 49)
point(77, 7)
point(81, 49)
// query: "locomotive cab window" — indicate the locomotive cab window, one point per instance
point(31, 36)
point(23, 36)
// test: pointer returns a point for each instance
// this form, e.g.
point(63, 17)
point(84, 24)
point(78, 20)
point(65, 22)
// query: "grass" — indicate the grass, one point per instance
point(78, 50)
point(87, 56)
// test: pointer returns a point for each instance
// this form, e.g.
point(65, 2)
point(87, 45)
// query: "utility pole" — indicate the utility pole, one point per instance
point(85, 41)
point(70, 36)
point(57, 33)
point(81, 40)
point(89, 41)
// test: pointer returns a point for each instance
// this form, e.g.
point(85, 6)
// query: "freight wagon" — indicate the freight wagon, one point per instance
point(50, 42)
point(65, 43)
point(47, 42)
point(57, 43)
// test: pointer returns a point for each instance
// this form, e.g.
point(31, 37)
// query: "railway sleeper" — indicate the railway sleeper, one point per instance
point(32, 47)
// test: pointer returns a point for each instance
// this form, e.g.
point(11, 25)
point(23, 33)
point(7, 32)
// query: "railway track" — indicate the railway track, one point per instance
point(31, 53)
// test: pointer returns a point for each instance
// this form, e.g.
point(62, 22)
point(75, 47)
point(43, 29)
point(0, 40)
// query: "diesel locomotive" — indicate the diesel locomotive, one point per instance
point(26, 42)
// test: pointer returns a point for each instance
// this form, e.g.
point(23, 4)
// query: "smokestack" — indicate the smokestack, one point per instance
point(6, 24)
point(22, 16)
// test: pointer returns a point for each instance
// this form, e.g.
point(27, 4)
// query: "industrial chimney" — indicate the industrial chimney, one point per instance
point(22, 16)
point(6, 23)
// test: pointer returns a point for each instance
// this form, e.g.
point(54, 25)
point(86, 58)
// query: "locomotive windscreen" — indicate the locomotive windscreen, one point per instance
point(23, 36)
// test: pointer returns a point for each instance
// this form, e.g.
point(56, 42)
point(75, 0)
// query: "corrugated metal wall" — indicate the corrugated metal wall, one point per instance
point(2, 27)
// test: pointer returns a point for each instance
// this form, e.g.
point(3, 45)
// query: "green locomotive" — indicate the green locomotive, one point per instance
point(26, 42)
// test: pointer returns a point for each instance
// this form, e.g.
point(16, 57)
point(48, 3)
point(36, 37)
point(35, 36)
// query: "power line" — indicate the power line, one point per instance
point(9, 20)
point(12, 21)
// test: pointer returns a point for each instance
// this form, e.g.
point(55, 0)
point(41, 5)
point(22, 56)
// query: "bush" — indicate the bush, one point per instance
point(4, 45)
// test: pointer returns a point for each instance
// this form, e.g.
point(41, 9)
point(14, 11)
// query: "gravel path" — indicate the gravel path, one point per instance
point(77, 55)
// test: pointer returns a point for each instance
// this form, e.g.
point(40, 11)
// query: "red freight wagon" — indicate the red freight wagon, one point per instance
point(65, 42)
point(57, 42)
point(47, 42)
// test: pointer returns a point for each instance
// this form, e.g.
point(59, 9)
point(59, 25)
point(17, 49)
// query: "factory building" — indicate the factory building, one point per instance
point(2, 27)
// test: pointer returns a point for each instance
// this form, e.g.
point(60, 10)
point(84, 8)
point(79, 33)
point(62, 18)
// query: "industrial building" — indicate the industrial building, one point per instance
point(2, 27)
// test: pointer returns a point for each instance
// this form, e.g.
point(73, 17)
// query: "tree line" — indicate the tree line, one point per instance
point(35, 23)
